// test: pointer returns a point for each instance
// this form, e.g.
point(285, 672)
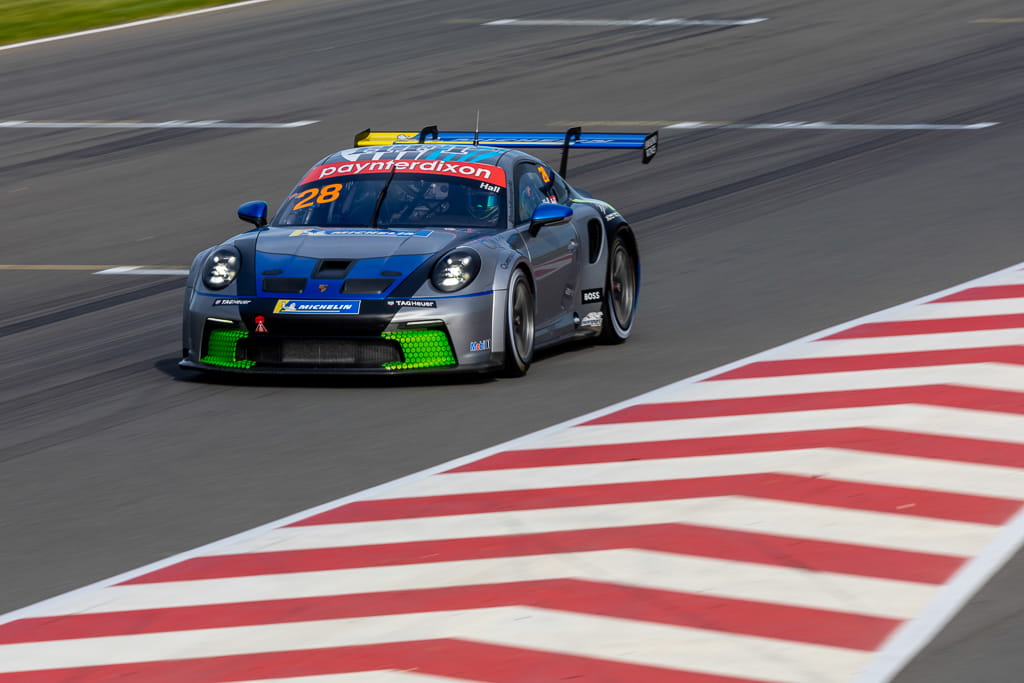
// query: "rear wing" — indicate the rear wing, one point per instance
point(574, 137)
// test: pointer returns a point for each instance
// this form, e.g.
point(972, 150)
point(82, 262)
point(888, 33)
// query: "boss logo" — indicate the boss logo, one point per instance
point(591, 296)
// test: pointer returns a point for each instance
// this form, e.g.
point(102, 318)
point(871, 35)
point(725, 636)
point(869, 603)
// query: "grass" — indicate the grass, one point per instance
point(22, 20)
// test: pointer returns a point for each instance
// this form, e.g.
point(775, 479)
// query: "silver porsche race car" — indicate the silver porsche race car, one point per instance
point(418, 252)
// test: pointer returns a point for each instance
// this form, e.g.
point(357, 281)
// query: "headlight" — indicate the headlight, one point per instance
point(455, 270)
point(221, 267)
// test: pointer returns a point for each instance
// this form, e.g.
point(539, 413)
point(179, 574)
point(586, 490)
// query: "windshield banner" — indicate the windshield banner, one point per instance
point(457, 169)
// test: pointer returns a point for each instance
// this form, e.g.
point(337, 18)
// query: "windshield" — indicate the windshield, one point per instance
point(394, 200)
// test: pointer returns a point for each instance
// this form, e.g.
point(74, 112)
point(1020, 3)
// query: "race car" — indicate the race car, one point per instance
point(415, 252)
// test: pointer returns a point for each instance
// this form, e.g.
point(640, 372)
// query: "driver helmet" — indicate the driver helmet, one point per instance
point(436, 191)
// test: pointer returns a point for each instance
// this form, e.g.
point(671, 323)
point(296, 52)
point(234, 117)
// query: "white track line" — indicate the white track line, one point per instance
point(607, 638)
point(829, 125)
point(639, 568)
point(212, 123)
point(735, 512)
point(626, 23)
point(839, 464)
point(936, 420)
point(965, 309)
point(941, 341)
point(142, 270)
point(389, 676)
point(131, 24)
point(994, 376)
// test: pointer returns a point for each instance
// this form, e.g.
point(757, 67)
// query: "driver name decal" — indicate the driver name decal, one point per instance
point(457, 169)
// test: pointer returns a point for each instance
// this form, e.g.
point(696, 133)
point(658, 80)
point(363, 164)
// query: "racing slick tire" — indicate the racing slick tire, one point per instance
point(519, 325)
point(619, 307)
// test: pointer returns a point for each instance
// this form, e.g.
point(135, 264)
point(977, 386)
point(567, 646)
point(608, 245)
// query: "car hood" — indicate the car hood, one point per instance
point(354, 243)
point(362, 261)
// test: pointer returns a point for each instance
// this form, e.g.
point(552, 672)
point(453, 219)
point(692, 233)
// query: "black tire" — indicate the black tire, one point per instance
point(519, 325)
point(621, 285)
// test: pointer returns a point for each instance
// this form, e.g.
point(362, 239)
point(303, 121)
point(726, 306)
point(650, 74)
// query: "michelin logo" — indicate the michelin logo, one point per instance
point(317, 307)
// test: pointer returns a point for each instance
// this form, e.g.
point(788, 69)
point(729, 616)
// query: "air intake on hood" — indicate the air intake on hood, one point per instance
point(284, 285)
point(331, 269)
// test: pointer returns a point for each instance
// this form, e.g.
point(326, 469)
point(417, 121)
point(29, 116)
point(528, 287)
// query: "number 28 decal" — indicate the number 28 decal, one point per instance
point(321, 195)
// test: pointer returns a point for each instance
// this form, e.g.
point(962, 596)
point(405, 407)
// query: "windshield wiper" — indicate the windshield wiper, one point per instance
point(380, 200)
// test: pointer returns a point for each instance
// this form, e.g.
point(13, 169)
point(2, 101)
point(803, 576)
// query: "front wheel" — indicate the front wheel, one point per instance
point(519, 325)
point(621, 292)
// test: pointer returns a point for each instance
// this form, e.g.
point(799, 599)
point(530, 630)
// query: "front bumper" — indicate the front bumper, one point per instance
point(383, 336)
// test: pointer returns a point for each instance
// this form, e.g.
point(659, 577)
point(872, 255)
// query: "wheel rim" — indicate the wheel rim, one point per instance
point(521, 319)
point(622, 286)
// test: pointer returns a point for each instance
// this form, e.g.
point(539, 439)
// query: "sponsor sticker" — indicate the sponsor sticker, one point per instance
point(592, 296)
point(317, 307)
point(260, 326)
point(417, 151)
point(445, 167)
point(481, 345)
point(650, 147)
point(595, 319)
point(231, 302)
point(413, 303)
point(602, 206)
point(320, 232)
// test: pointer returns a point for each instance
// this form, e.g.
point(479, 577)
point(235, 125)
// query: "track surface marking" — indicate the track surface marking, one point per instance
point(808, 515)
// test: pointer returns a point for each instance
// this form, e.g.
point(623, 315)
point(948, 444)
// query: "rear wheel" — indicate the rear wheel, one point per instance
point(519, 325)
point(621, 292)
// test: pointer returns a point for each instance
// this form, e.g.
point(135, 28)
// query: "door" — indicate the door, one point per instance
point(554, 250)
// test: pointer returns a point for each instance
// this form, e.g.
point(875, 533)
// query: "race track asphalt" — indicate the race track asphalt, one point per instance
point(111, 457)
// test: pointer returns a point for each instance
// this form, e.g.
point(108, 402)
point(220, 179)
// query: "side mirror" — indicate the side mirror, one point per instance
point(549, 214)
point(254, 212)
